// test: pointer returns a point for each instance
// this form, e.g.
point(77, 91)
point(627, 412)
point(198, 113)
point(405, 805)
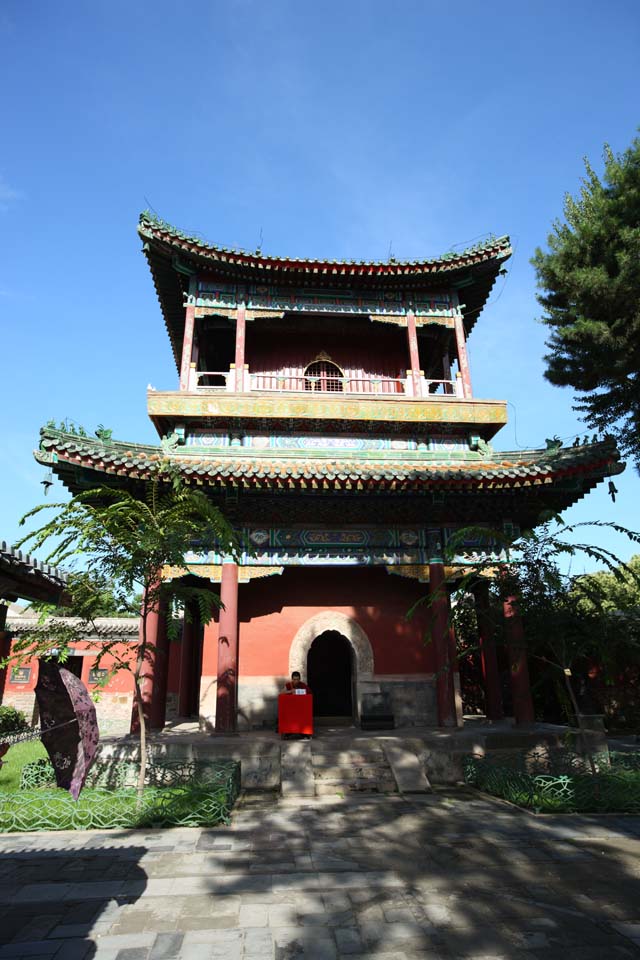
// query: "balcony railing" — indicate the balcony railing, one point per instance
point(205, 381)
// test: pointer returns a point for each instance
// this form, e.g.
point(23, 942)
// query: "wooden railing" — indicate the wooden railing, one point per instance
point(225, 381)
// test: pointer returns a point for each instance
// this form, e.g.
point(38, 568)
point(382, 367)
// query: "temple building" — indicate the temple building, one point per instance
point(327, 408)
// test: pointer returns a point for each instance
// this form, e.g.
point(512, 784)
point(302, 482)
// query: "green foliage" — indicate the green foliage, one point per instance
point(15, 759)
point(590, 278)
point(95, 594)
point(116, 542)
point(201, 795)
point(119, 545)
point(567, 624)
point(614, 593)
point(613, 789)
point(12, 720)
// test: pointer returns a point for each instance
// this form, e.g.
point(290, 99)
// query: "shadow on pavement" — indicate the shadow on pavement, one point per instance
point(446, 875)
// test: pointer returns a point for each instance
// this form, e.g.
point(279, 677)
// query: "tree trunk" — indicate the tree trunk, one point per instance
point(576, 710)
point(143, 738)
point(141, 718)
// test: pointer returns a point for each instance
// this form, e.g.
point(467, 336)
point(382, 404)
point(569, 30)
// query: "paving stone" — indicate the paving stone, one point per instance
point(37, 948)
point(348, 940)
point(213, 936)
point(253, 915)
point(133, 953)
point(258, 944)
point(196, 951)
point(282, 915)
point(398, 915)
point(167, 946)
point(77, 950)
point(321, 949)
point(450, 879)
point(129, 941)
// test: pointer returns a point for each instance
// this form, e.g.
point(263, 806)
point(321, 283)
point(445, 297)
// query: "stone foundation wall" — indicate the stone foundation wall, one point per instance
point(113, 712)
point(21, 701)
point(413, 699)
point(258, 702)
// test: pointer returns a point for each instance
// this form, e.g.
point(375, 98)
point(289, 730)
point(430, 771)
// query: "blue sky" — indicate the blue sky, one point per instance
point(333, 129)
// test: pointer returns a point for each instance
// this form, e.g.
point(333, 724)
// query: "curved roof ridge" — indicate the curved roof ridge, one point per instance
point(29, 563)
point(136, 454)
point(501, 246)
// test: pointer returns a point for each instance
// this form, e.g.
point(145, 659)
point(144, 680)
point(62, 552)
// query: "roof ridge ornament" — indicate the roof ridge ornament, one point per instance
point(488, 246)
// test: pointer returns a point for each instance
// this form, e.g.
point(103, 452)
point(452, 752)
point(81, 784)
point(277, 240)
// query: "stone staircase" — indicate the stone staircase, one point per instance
point(359, 768)
point(313, 768)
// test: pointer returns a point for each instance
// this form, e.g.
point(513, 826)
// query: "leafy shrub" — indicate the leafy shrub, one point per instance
point(613, 789)
point(12, 721)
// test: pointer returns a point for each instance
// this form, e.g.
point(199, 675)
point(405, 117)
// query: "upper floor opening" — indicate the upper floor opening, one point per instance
point(295, 353)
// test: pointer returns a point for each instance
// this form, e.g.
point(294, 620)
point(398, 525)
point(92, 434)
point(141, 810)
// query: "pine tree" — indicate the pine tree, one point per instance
point(590, 281)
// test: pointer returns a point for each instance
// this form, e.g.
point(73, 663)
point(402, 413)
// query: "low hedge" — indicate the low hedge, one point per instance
point(177, 795)
point(613, 788)
point(12, 721)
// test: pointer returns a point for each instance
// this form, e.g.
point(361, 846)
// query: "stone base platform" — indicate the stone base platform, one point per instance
point(342, 761)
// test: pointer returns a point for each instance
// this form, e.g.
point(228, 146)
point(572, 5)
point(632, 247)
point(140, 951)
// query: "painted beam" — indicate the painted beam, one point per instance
point(490, 415)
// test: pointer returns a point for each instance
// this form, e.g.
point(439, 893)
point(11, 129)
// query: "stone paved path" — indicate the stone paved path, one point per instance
point(442, 876)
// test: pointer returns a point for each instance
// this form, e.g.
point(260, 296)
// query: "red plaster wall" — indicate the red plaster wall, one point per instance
point(121, 683)
point(272, 609)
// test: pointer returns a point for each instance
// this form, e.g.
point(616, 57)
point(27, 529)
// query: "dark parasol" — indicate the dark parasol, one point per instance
point(69, 730)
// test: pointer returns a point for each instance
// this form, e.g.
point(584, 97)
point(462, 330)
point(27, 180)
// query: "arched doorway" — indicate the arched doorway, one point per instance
point(333, 621)
point(330, 675)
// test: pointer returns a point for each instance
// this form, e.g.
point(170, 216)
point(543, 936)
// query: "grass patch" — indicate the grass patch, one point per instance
point(15, 759)
point(188, 794)
point(614, 789)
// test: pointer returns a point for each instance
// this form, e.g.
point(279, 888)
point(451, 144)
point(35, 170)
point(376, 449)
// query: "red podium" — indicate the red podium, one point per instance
point(295, 713)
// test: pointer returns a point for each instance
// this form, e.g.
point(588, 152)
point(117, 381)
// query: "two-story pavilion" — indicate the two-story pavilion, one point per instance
point(328, 409)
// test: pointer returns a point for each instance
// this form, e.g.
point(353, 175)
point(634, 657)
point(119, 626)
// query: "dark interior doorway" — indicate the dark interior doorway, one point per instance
point(329, 670)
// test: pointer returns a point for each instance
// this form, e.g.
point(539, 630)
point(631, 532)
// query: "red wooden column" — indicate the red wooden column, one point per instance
point(153, 680)
point(187, 660)
point(187, 346)
point(241, 327)
point(488, 655)
point(440, 639)
point(5, 647)
point(516, 649)
point(463, 360)
point(414, 354)
point(227, 689)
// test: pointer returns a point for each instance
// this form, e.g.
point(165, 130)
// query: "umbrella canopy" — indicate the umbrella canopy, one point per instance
point(68, 722)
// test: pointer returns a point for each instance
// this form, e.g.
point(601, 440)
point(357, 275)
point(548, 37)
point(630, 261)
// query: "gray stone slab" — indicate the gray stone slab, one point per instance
point(167, 946)
point(407, 769)
point(296, 765)
point(348, 940)
point(37, 948)
point(40, 893)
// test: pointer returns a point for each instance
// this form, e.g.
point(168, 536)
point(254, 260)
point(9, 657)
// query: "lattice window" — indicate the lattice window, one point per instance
point(325, 376)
